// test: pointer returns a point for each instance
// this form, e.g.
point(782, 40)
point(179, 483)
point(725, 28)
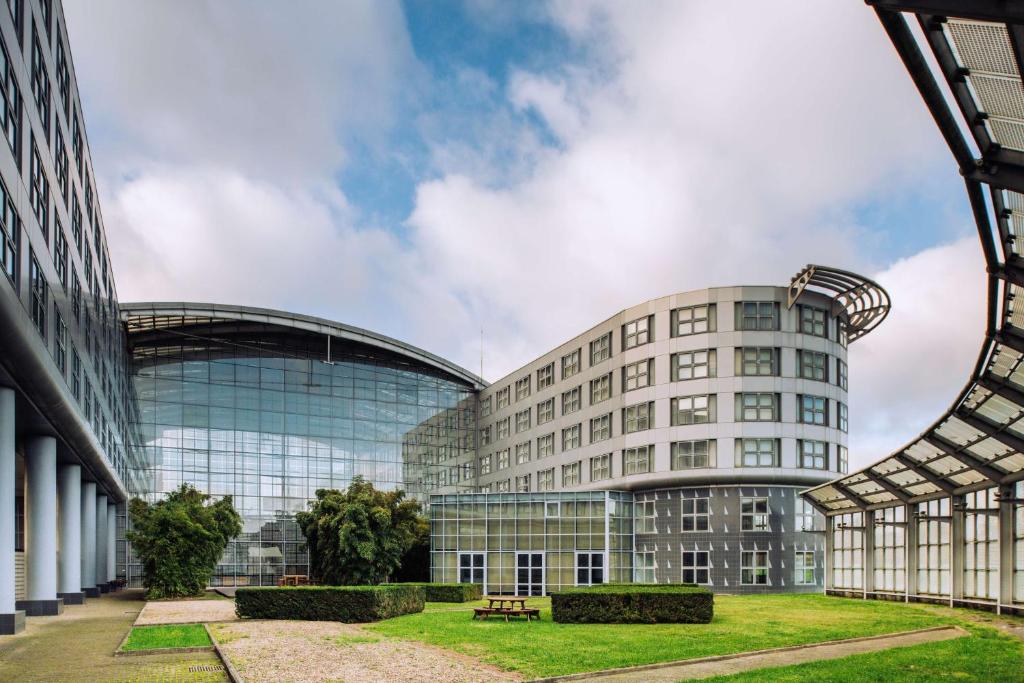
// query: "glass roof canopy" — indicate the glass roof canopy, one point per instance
point(978, 442)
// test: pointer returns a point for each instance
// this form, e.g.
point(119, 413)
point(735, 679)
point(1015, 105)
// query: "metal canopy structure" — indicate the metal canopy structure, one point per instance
point(861, 301)
point(979, 442)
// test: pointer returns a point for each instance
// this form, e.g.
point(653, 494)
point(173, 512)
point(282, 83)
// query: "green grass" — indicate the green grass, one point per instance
point(169, 635)
point(741, 623)
point(985, 655)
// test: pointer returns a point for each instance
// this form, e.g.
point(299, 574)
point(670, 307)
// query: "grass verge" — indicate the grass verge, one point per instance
point(166, 636)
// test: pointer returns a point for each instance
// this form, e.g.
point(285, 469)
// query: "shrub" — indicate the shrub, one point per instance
point(633, 604)
point(349, 604)
point(450, 592)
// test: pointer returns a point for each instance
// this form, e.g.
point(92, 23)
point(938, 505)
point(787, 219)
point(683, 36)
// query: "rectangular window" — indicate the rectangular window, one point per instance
point(485, 406)
point(813, 454)
point(601, 467)
point(40, 85)
point(690, 455)
point(757, 452)
point(471, 568)
point(546, 411)
point(522, 388)
point(844, 463)
point(637, 460)
point(504, 428)
point(841, 333)
point(643, 517)
point(504, 397)
point(522, 420)
point(754, 568)
point(571, 401)
point(637, 332)
point(812, 410)
point(844, 417)
point(757, 315)
point(601, 428)
point(76, 141)
point(694, 364)
point(934, 533)
point(10, 236)
point(76, 373)
point(38, 291)
point(545, 376)
point(571, 474)
point(570, 363)
point(813, 321)
point(39, 192)
point(523, 483)
point(812, 365)
point(695, 514)
point(754, 514)
point(757, 407)
point(523, 453)
point(696, 566)
point(693, 320)
point(485, 435)
point(10, 115)
point(601, 349)
point(571, 438)
point(545, 445)
point(63, 77)
point(60, 163)
point(890, 548)
point(637, 375)
point(807, 518)
point(638, 418)
point(504, 459)
point(485, 464)
point(757, 362)
point(689, 410)
point(76, 221)
point(600, 389)
point(589, 569)
point(60, 341)
point(60, 256)
point(841, 379)
point(803, 567)
point(643, 567)
point(546, 479)
point(503, 486)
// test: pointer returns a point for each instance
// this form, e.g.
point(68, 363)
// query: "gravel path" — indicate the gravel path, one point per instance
point(187, 612)
point(315, 651)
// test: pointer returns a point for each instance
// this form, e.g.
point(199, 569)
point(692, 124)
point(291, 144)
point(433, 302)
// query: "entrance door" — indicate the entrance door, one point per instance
point(471, 568)
point(529, 573)
point(589, 568)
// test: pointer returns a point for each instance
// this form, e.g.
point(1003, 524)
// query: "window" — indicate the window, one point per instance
point(571, 474)
point(545, 376)
point(601, 428)
point(841, 371)
point(813, 454)
point(600, 389)
point(522, 388)
point(695, 514)
point(890, 548)
point(522, 420)
point(689, 410)
point(60, 257)
point(571, 438)
point(523, 483)
point(844, 417)
point(981, 544)
point(38, 293)
point(812, 410)
point(503, 486)
point(503, 397)
point(601, 467)
point(643, 517)
point(546, 411)
point(807, 518)
point(546, 480)
point(76, 221)
point(689, 455)
point(812, 365)
point(757, 361)
point(570, 363)
point(842, 334)
point(760, 407)
point(485, 435)
point(76, 373)
point(40, 85)
point(545, 445)
point(523, 453)
point(10, 236)
point(63, 77)
point(638, 418)
point(754, 514)
point(637, 375)
point(694, 364)
point(696, 566)
point(757, 315)
point(813, 321)
point(643, 567)
point(601, 349)
point(485, 464)
point(637, 460)
point(60, 163)
point(757, 452)
point(76, 141)
point(39, 192)
point(754, 567)
point(504, 427)
point(637, 332)
point(471, 568)
point(933, 540)
point(693, 320)
point(10, 115)
point(485, 403)
point(504, 459)
point(844, 463)
point(60, 341)
point(589, 568)
point(571, 401)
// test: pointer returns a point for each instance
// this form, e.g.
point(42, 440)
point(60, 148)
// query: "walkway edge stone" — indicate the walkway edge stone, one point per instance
point(587, 675)
point(232, 673)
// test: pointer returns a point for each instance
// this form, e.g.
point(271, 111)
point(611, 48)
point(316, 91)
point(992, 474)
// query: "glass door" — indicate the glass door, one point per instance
point(529, 573)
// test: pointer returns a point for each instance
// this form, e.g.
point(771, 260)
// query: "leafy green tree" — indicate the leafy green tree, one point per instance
point(358, 536)
point(415, 564)
point(179, 540)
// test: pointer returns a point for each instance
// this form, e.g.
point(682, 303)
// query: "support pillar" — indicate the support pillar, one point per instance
point(12, 620)
point(1006, 549)
point(829, 545)
point(41, 528)
point(89, 540)
point(101, 543)
point(910, 580)
point(868, 543)
point(956, 548)
point(111, 543)
point(69, 500)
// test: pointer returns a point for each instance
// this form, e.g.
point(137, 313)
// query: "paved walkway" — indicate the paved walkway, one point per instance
point(79, 645)
point(708, 667)
point(187, 612)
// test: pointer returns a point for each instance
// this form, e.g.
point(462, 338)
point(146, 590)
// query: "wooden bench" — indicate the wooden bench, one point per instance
point(530, 613)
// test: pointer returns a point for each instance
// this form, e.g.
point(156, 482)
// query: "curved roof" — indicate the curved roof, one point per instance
point(979, 441)
point(864, 301)
point(141, 317)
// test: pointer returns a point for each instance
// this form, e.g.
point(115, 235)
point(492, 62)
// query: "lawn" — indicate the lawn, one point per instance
point(741, 623)
point(170, 635)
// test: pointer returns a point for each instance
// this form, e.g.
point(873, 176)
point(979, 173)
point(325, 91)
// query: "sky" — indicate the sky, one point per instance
point(429, 170)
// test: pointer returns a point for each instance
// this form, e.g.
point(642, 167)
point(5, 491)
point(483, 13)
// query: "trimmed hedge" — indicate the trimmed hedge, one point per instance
point(349, 604)
point(449, 592)
point(633, 604)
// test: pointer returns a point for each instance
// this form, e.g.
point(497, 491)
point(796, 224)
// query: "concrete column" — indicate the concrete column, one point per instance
point(910, 582)
point(89, 539)
point(69, 500)
point(1006, 549)
point(956, 548)
point(829, 546)
point(111, 541)
point(869, 553)
point(101, 543)
point(11, 619)
point(41, 528)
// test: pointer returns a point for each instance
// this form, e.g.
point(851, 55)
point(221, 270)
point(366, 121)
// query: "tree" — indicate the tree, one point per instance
point(179, 540)
point(415, 564)
point(358, 536)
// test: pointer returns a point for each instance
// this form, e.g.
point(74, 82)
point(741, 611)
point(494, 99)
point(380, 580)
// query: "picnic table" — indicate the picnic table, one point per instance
point(293, 580)
point(516, 607)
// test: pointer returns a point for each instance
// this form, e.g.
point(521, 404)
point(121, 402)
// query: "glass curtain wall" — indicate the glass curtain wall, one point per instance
point(848, 551)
